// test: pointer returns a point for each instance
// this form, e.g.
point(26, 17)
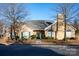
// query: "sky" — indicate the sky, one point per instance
point(40, 11)
point(36, 11)
point(43, 11)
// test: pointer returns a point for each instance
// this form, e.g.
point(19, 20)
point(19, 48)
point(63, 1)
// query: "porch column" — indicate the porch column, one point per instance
point(40, 36)
point(21, 35)
point(29, 34)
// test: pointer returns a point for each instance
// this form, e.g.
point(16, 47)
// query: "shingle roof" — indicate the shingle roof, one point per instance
point(53, 24)
point(38, 24)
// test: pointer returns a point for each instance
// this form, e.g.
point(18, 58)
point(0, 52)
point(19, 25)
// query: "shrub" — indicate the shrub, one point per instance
point(17, 37)
point(38, 37)
point(49, 38)
point(72, 38)
point(77, 32)
point(33, 36)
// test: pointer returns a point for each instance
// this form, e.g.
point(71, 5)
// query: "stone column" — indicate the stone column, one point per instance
point(60, 27)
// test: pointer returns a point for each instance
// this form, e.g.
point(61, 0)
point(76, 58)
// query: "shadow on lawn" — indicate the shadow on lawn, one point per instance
point(25, 50)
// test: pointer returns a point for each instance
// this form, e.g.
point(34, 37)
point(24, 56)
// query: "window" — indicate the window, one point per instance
point(26, 34)
point(49, 34)
point(68, 34)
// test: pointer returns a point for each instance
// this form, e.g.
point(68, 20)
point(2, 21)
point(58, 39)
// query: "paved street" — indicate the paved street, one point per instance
point(63, 49)
point(38, 50)
point(26, 50)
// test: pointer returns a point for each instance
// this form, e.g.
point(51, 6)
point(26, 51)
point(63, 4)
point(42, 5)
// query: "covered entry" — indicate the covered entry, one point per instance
point(40, 34)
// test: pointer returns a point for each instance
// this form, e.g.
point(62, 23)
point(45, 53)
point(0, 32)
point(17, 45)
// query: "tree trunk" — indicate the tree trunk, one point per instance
point(15, 35)
point(11, 32)
point(51, 31)
point(64, 27)
point(56, 35)
point(56, 29)
point(14, 27)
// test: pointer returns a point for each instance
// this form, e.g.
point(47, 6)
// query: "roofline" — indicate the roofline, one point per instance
point(50, 25)
point(72, 26)
point(39, 29)
point(55, 23)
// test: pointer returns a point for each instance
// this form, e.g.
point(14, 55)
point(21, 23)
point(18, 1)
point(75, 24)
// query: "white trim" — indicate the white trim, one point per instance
point(50, 25)
point(55, 23)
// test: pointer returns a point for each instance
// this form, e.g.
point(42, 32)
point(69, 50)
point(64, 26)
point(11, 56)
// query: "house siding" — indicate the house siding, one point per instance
point(59, 27)
point(48, 34)
point(68, 34)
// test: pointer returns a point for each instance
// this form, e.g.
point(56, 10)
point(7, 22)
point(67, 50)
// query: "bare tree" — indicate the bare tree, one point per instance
point(69, 10)
point(1, 28)
point(14, 13)
point(75, 24)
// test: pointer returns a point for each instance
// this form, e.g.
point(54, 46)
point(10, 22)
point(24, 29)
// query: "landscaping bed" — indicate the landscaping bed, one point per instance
point(51, 41)
point(46, 41)
point(62, 42)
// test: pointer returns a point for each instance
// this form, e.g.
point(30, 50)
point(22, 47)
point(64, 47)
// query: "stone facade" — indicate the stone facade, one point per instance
point(59, 27)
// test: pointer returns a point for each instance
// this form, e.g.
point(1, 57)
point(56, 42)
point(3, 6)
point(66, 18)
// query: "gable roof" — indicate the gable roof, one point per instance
point(56, 22)
point(38, 24)
point(50, 26)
